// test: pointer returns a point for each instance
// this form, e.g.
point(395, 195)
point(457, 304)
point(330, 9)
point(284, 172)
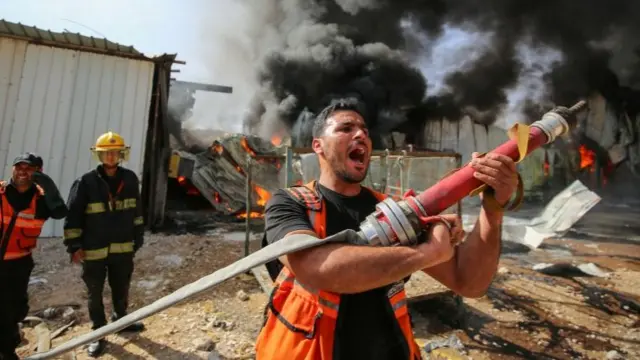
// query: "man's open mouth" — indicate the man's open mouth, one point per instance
point(358, 155)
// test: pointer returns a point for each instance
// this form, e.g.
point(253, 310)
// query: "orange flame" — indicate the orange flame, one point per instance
point(191, 190)
point(218, 148)
point(253, 215)
point(276, 140)
point(263, 195)
point(587, 158)
point(245, 145)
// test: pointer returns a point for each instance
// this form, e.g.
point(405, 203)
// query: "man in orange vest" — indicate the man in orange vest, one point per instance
point(24, 207)
point(341, 301)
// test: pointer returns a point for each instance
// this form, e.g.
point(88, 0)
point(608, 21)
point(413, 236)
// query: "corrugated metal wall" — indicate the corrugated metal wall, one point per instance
point(56, 102)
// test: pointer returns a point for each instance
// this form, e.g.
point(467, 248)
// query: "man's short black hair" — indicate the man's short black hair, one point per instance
point(351, 104)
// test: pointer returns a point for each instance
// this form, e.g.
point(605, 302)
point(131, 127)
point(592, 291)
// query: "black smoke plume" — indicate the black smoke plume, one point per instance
point(368, 49)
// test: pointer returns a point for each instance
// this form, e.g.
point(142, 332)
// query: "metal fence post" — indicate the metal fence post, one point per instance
point(459, 165)
point(248, 207)
point(289, 167)
point(401, 162)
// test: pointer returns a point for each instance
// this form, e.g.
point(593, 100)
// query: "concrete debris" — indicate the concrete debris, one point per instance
point(242, 296)
point(451, 342)
point(214, 355)
point(32, 319)
point(204, 344)
point(67, 313)
point(169, 260)
point(223, 325)
point(614, 355)
point(37, 281)
point(148, 284)
point(566, 269)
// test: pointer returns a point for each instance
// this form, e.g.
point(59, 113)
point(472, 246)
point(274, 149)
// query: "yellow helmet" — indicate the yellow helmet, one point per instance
point(111, 141)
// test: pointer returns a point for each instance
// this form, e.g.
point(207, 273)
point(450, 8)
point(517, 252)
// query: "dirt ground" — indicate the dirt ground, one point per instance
point(525, 315)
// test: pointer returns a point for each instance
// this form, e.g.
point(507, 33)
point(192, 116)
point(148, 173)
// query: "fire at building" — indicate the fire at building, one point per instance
point(219, 175)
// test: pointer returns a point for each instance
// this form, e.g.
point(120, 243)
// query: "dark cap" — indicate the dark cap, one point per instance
point(29, 159)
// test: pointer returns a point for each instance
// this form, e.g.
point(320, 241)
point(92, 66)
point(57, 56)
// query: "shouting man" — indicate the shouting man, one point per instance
point(341, 301)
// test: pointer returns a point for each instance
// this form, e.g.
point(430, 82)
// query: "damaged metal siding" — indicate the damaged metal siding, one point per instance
point(56, 101)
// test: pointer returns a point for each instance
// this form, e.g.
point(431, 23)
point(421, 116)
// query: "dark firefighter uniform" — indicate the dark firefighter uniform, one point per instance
point(105, 222)
point(23, 213)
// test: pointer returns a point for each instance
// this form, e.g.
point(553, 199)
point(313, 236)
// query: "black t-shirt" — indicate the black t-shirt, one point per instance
point(366, 325)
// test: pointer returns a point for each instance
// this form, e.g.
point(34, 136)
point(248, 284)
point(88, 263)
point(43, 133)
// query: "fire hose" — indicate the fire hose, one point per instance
point(394, 223)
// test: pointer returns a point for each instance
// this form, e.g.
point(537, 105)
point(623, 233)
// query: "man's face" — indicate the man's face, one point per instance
point(345, 145)
point(110, 159)
point(22, 173)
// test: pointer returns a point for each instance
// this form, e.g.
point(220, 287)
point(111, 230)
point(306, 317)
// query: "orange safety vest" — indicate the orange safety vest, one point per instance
point(301, 321)
point(24, 236)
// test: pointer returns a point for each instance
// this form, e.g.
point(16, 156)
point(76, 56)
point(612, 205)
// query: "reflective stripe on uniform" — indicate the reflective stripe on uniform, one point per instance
point(138, 221)
point(115, 248)
point(99, 207)
point(125, 204)
point(73, 233)
point(15, 255)
point(119, 248)
point(95, 208)
point(27, 221)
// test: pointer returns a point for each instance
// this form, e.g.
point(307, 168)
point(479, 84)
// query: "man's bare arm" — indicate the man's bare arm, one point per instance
point(471, 270)
point(348, 269)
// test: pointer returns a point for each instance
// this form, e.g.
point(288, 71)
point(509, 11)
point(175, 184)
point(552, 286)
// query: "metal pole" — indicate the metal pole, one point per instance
point(248, 207)
point(384, 173)
point(401, 162)
point(459, 165)
point(289, 167)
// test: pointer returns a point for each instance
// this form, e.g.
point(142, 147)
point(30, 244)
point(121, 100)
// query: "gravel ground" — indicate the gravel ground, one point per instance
point(526, 314)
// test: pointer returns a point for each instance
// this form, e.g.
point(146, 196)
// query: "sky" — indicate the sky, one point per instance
point(153, 27)
point(197, 30)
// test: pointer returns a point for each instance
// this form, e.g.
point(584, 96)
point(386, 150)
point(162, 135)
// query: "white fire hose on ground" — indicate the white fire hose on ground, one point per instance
point(287, 245)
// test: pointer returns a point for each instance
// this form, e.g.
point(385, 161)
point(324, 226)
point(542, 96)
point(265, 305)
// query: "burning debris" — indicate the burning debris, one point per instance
point(219, 174)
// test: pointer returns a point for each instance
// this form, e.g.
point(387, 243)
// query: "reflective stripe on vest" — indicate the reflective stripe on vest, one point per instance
point(102, 253)
point(301, 320)
point(27, 229)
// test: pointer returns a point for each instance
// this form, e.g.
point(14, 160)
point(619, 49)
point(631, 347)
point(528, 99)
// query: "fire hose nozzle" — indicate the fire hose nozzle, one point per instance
point(394, 223)
point(556, 122)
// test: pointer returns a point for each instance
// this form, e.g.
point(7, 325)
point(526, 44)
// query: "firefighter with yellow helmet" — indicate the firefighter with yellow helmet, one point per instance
point(103, 230)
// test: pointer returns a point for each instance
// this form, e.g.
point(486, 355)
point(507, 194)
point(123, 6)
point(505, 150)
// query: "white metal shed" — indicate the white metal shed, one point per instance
point(59, 92)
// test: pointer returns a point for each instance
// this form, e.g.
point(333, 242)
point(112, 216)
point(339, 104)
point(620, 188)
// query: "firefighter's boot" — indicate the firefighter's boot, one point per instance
point(95, 349)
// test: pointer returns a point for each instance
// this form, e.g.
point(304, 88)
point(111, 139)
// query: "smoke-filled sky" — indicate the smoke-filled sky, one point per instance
point(408, 58)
